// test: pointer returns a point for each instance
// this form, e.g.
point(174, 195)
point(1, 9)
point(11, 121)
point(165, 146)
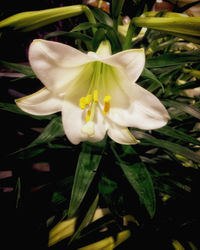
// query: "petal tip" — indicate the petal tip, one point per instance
point(36, 41)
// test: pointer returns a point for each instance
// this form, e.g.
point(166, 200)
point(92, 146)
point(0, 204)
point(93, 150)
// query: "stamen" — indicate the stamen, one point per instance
point(95, 96)
point(88, 99)
point(88, 115)
point(107, 99)
point(82, 102)
point(92, 102)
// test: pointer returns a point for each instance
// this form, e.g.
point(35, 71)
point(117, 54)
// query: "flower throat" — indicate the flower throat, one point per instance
point(91, 100)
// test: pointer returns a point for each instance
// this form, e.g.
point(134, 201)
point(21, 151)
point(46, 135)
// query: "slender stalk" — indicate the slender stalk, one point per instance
point(117, 6)
point(90, 17)
point(130, 34)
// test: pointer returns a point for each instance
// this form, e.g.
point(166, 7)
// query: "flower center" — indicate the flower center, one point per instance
point(90, 103)
point(100, 81)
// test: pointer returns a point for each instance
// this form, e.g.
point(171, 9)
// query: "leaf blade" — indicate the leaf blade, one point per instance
point(87, 165)
point(138, 176)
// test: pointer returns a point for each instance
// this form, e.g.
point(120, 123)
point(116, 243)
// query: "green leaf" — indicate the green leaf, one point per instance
point(53, 130)
point(102, 16)
point(76, 35)
point(131, 32)
point(177, 134)
point(114, 40)
point(86, 220)
point(172, 59)
point(172, 147)
point(140, 6)
point(111, 34)
point(98, 37)
point(83, 26)
point(116, 9)
point(14, 109)
point(192, 110)
point(147, 74)
point(187, 85)
point(28, 154)
point(140, 179)
point(117, 6)
point(24, 69)
point(138, 176)
point(87, 165)
point(190, 38)
point(106, 185)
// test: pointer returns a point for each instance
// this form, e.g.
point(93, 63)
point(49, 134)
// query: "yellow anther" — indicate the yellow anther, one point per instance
point(88, 99)
point(82, 102)
point(88, 115)
point(107, 99)
point(95, 96)
point(106, 108)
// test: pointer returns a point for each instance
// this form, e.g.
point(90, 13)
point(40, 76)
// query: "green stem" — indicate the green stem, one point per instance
point(130, 33)
point(117, 6)
point(90, 17)
point(115, 24)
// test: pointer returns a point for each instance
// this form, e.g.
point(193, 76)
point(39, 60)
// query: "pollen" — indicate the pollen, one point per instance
point(88, 99)
point(82, 102)
point(107, 99)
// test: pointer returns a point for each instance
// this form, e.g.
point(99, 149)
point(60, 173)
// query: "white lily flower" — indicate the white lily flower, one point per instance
point(95, 92)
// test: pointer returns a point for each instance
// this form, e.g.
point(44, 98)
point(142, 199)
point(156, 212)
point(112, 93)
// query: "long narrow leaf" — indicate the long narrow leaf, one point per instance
point(14, 109)
point(183, 107)
point(139, 178)
point(87, 165)
point(53, 130)
point(147, 74)
point(26, 70)
point(87, 219)
point(171, 59)
point(172, 147)
point(175, 133)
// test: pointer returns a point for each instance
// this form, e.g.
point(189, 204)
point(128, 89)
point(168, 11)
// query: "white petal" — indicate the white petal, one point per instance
point(144, 110)
point(130, 62)
point(74, 119)
point(100, 127)
point(73, 122)
point(40, 103)
point(121, 135)
point(56, 64)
